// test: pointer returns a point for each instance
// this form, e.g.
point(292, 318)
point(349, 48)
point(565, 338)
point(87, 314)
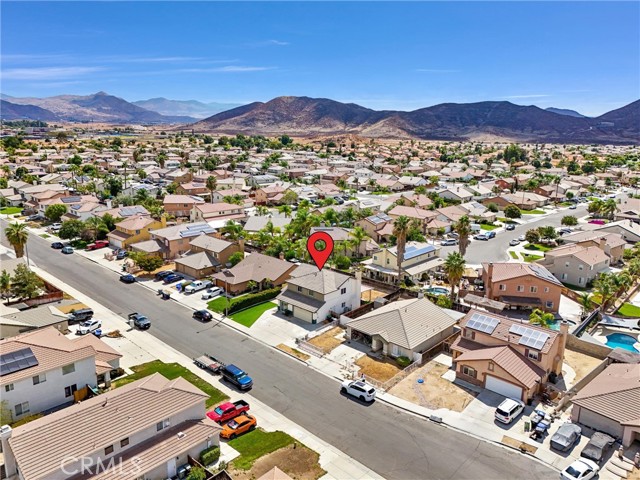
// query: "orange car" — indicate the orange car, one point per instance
point(238, 426)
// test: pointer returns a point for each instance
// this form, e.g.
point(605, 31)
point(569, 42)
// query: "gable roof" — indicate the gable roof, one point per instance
point(256, 267)
point(209, 243)
point(507, 271)
point(323, 281)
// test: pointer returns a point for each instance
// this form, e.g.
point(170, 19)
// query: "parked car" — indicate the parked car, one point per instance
point(359, 389)
point(57, 245)
point(491, 234)
point(88, 326)
point(203, 315)
point(67, 250)
point(197, 286)
point(212, 292)
point(510, 226)
point(509, 410)
point(120, 254)
point(80, 315)
point(572, 207)
point(482, 236)
point(238, 426)
point(449, 242)
point(34, 218)
point(597, 447)
point(97, 245)
point(227, 410)
point(566, 437)
point(140, 321)
point(127, 278)
point(238, 377)
point(522, 238)
point(514, 242)
point(55, 227)
point(174, 277)
point(163, 274)
point(581, 469)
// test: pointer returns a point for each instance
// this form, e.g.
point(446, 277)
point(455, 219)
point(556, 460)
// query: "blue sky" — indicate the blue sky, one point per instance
point(580, 55)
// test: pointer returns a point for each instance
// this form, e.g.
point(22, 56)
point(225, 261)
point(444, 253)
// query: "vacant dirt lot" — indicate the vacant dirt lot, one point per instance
point(73, 306)
point(293, 351)
point(582, 364)
point(436, 392)
point(329, 339)
point(299, 463)
point(381, 370)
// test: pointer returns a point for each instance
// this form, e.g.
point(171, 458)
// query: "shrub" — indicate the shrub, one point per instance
point(342, 262)
point(210, 455)
point(197, 473)
point(403, 361)
point(252, 299)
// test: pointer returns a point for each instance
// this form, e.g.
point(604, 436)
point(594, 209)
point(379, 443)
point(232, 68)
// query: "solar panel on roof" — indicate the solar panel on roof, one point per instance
point(483, 323)
point(533, 338)
point(518, 329)
point(413, 251)
point(16, 361)
point(72, 199)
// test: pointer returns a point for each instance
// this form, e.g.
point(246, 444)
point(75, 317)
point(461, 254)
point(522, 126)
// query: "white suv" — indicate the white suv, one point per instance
point(509, 410)
point(212, 292)
point(88, 326)
point(359, 389)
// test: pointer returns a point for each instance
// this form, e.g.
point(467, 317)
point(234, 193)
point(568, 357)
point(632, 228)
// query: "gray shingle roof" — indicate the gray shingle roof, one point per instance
point(323, 281)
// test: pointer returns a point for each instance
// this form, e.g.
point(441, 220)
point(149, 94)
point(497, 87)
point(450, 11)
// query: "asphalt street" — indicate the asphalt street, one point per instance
point(395, 444)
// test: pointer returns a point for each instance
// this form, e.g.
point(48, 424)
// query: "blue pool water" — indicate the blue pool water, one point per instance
point(620, 340)
point(437, 291)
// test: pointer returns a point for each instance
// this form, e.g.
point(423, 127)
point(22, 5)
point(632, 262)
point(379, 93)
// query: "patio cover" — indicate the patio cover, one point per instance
point(485, 302)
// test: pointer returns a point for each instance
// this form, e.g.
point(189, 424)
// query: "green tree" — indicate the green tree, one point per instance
point(511, 211)
point(544, 319)
point(25, 283)
point(548, 233)
point(114, 186)
point(235, 258)
point(285, 140)
point(492, 207)
point(55, 212)
point(71, 229)
point(358, 235)
point(144, 261)
point(586, 303)
point(605, 287)
point(569, 220)
point(233, 230)
point(172, 188)
point(609, 208)
point(17, 235)
point(3, 182)
point(212, 184)
point(400, 230)
point(197, 473)
point(595, 207)
point(532, 236)
point(285, 210)
point(454, 266)
point(94, 227)
point(5, 284)
point(463, 229)
point(290, 197)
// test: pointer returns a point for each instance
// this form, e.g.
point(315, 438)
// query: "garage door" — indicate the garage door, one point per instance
point(302, 314)
point(503, 388)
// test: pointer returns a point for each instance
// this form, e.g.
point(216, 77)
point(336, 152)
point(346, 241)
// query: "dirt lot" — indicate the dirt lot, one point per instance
point(329, 339)
point(381, 370)
point(292, 351)
point(436, 392)
point(72, 306)
point(299, 463)
point(582, 364)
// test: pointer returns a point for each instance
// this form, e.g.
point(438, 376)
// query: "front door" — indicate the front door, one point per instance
point(171, 468)
point(395, 351)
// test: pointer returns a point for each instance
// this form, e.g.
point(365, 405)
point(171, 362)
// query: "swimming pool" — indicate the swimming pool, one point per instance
point(437, 291)
point(555, 325)
point(621, 340)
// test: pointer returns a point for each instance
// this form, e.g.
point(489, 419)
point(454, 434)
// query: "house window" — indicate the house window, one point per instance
point(469, 333)
point(8, 388)
point(580, 267)
point(343, 291)
point(108, 450)
point(68, 369)
point(581, 280)
point(387, 261)
point(311, 292)
point(299, 289)
point(375, 257)
point(39, 379)
point(546, 289)
point(68, 391)
point(137, 232)
point(533, 289)
point(162, 425)
point(564, 276)
point(566, 264)
point(468, 371)
point(344, 304)
point(520, 288)
point(533, 355)
point(502, 287)
point(22, 408)
point(124, 442)
point(490, 366)
point(549, 304)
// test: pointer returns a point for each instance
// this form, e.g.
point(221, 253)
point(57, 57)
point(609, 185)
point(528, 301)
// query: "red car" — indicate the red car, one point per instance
point(98, 244)
point(226, 411)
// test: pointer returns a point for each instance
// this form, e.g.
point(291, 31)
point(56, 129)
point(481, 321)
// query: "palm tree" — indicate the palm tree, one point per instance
point(463, 229)
point(359, 235)
point(400, 231)
point(17, 235)
point(212, 184)
point(93, 224)
point(454, 266)
point(5, 284)
point(605, 287)
point(262, 211)
point(544, 319)
point(609, 208)
point(595, 207)
point(233, 230)
point(285, 210)
point(586, 303)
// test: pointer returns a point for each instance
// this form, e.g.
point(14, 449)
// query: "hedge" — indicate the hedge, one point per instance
point(252, 299)
point(210, 455)
point(403, 361)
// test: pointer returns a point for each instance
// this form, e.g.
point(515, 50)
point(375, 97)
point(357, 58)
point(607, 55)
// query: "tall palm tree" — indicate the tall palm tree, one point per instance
point(609, 208)
point(454, 266)
point(285, 210)
point(93, 224)
point(262, 211)
point(400, 231)
point(605, 287)
point(233, 230)
point(463, 229)
point(586, 303)
point(595, 207)
point(17, 235)
point(212, 184)
point(358, 235)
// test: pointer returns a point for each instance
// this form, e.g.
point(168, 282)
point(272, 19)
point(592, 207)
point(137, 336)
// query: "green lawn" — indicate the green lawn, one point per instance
point(514, 255)
point(249, 316)
point(532, 212)
point(531, 258)
point(218, 304)
point(256, 444)
point(485, 226)
point(629, 310)
point(45, 235)
point(10, 210)
point(171, 371)
point(537, 246)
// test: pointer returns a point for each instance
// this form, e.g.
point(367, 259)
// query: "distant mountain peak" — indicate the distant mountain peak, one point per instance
point(565, 111)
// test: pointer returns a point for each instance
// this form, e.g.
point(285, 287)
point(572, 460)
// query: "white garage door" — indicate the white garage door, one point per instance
point(503, 388)
point(302, 314)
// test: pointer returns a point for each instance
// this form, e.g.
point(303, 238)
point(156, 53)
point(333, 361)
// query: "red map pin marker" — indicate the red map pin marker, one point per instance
point(320, 257)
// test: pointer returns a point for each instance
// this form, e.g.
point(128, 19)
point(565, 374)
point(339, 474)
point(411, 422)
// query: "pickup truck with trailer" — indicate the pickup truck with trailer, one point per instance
point(207, 362)
point(226, 411)
point(197, 286)
point(140, 321)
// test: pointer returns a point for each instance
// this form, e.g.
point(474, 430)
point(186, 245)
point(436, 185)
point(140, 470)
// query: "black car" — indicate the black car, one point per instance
point(510, 226)
point(162, 275)
point(140, 321)
point(203, 315)
point(80, 315)
point(57, 245)
point(127, 278)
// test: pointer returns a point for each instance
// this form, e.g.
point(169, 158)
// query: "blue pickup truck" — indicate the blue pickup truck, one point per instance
point(238, 377)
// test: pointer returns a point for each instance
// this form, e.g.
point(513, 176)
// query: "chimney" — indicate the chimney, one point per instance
point(241, 244)
point(420, 294)
point(358, 288)
point(603, 243)
point(564, 334)
point(489, 281)
point(109, 203)
point(9, 459)
point(281, 256)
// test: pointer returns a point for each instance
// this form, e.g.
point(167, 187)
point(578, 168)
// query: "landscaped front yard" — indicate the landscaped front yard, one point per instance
point(485, 226)
point(249, 316)
point(381, 370)
point(531, 258)
point(537, 246)
point(10, 210)
point(171, 371)
point(532, 212)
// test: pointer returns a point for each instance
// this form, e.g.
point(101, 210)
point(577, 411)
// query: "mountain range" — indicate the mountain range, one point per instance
point(565, 111)
point(498, 120)
point(190, 108)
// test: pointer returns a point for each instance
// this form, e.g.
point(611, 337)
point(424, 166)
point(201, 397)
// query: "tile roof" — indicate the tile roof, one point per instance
point(198, 261)
point(406, 323)
point(103, 351)
point(136, 222)
point(614, 393)
point(256, 267)
point(323, 281)
point(299, 300)
point(209, 243)
point(84, 428)
point(507, 271)
point(589, 255)
point(412, 212)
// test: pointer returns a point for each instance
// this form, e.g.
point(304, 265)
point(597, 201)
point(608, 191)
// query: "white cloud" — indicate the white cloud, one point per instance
point(47, 73)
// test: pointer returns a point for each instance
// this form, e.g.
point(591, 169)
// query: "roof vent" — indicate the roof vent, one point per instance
point(181, 434)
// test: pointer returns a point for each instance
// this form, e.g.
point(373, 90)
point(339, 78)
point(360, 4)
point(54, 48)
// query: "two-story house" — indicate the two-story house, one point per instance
point(172, 241)
point(509, 357)
point(374, 223)
point(145, 429)
point(313, 297)
point(207, 212)
point(264, 271)
point(43, 369)
point(134, 229)
point(180, 206)
point(414, 213)
point(612, 243)
point(522, 285)
point(207, 255)
point(270, 195)
point(576, 264)
point(419, 259)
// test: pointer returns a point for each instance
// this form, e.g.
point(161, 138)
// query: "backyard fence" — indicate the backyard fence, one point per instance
point(309, 348)
point(324, 328)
